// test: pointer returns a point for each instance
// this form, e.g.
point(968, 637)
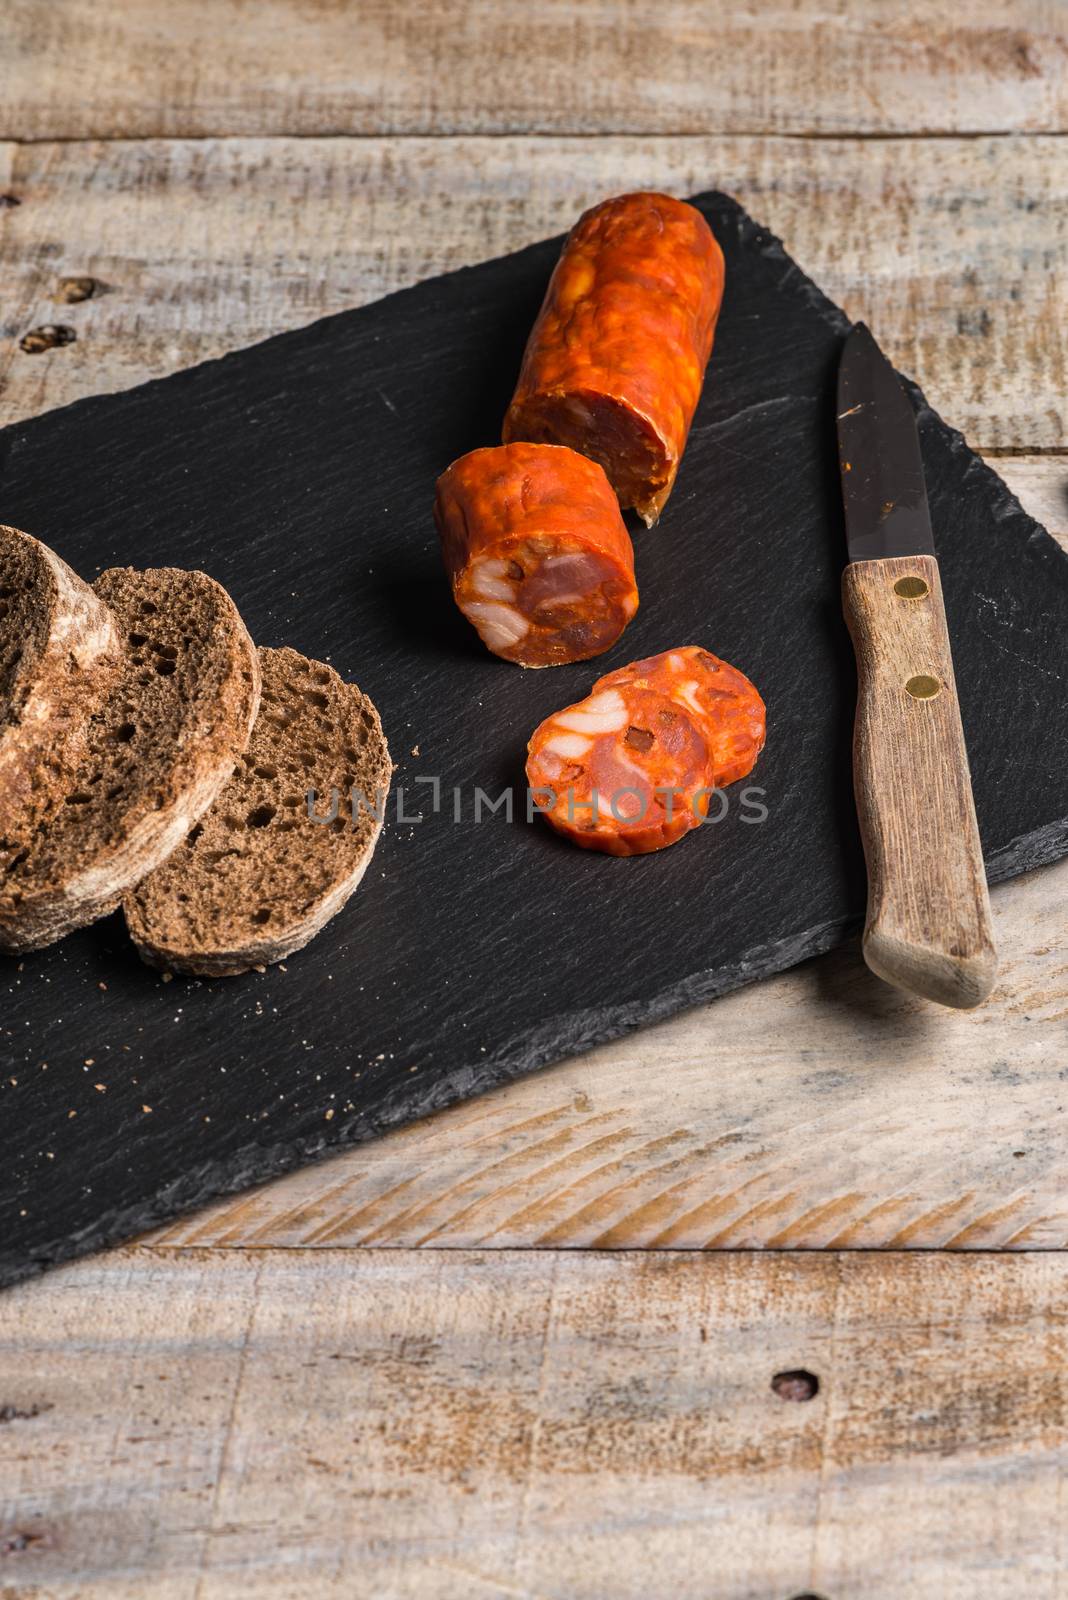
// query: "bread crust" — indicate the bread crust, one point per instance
point(214, 934)
point(70, 878)
point(64, 659)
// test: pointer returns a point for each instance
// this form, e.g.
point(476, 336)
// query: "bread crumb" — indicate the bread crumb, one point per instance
point(101, 1088)
point(90, 1062)
point(102, 986)
point(167, 976)
point(146, 1108)
point(328, 1115)
point(415, 749)
point(259, 967)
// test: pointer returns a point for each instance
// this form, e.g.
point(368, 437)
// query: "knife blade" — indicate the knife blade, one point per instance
point(928, 923)
point(883, 485)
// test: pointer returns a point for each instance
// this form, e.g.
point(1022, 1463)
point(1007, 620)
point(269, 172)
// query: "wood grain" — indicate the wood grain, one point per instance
point(1041, 484)
point(954, 251)
point(818, 1110)
point(928, 923)
point(201, 1424)
point(400, 1425)
point(86, 68)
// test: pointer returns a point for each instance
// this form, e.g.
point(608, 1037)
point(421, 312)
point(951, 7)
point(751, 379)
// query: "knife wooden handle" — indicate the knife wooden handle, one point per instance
point(928, 925)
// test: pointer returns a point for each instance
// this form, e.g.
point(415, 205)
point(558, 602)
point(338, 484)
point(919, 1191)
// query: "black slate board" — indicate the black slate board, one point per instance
point(300, 473)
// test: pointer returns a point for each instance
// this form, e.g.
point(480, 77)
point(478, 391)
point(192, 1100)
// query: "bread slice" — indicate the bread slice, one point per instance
point(59, 657)
point(156, 754)
point(259, 876)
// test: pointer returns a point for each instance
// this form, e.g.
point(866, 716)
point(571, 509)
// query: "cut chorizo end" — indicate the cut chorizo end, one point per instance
point(616, 359)
point(626, 445)
point(727, 705)
point(537, 552)
point(626, 771)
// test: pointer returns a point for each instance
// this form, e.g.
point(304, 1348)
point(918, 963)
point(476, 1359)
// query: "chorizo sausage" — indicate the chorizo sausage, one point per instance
point(616, 359)
point(626, 771)
point(537, 552)
point(727, 706)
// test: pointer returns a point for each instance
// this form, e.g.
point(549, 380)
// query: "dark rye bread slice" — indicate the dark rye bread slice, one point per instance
point(59, 657)
point(258, 876)
point(156, 754)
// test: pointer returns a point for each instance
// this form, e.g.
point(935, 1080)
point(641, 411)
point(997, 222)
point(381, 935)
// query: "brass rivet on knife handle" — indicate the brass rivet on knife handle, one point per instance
point(911, 588)
point(928, 927)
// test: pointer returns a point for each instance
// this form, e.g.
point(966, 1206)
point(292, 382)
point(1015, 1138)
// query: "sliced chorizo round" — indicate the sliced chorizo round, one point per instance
point(616, 359)
point(626, 771)
point(728, 706)
point(538, 555)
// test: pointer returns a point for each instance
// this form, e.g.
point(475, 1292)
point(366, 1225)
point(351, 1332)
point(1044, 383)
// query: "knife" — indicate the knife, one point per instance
point(928, 925)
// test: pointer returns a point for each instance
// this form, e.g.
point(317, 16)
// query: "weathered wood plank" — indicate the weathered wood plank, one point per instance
point(817, 1110)
point(85, 68)
point(402, 1425)
point(1040, 483)
point(955, 252)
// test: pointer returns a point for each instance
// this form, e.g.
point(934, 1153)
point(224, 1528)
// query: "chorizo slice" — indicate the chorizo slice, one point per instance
point(616, 358)
point(627, 770)
point(729, 708)
point(537, 552)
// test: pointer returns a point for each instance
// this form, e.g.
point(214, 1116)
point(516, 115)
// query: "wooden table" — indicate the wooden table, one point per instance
point(483, 1357)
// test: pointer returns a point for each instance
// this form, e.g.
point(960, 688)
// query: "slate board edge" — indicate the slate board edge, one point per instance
point(253, 1163)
